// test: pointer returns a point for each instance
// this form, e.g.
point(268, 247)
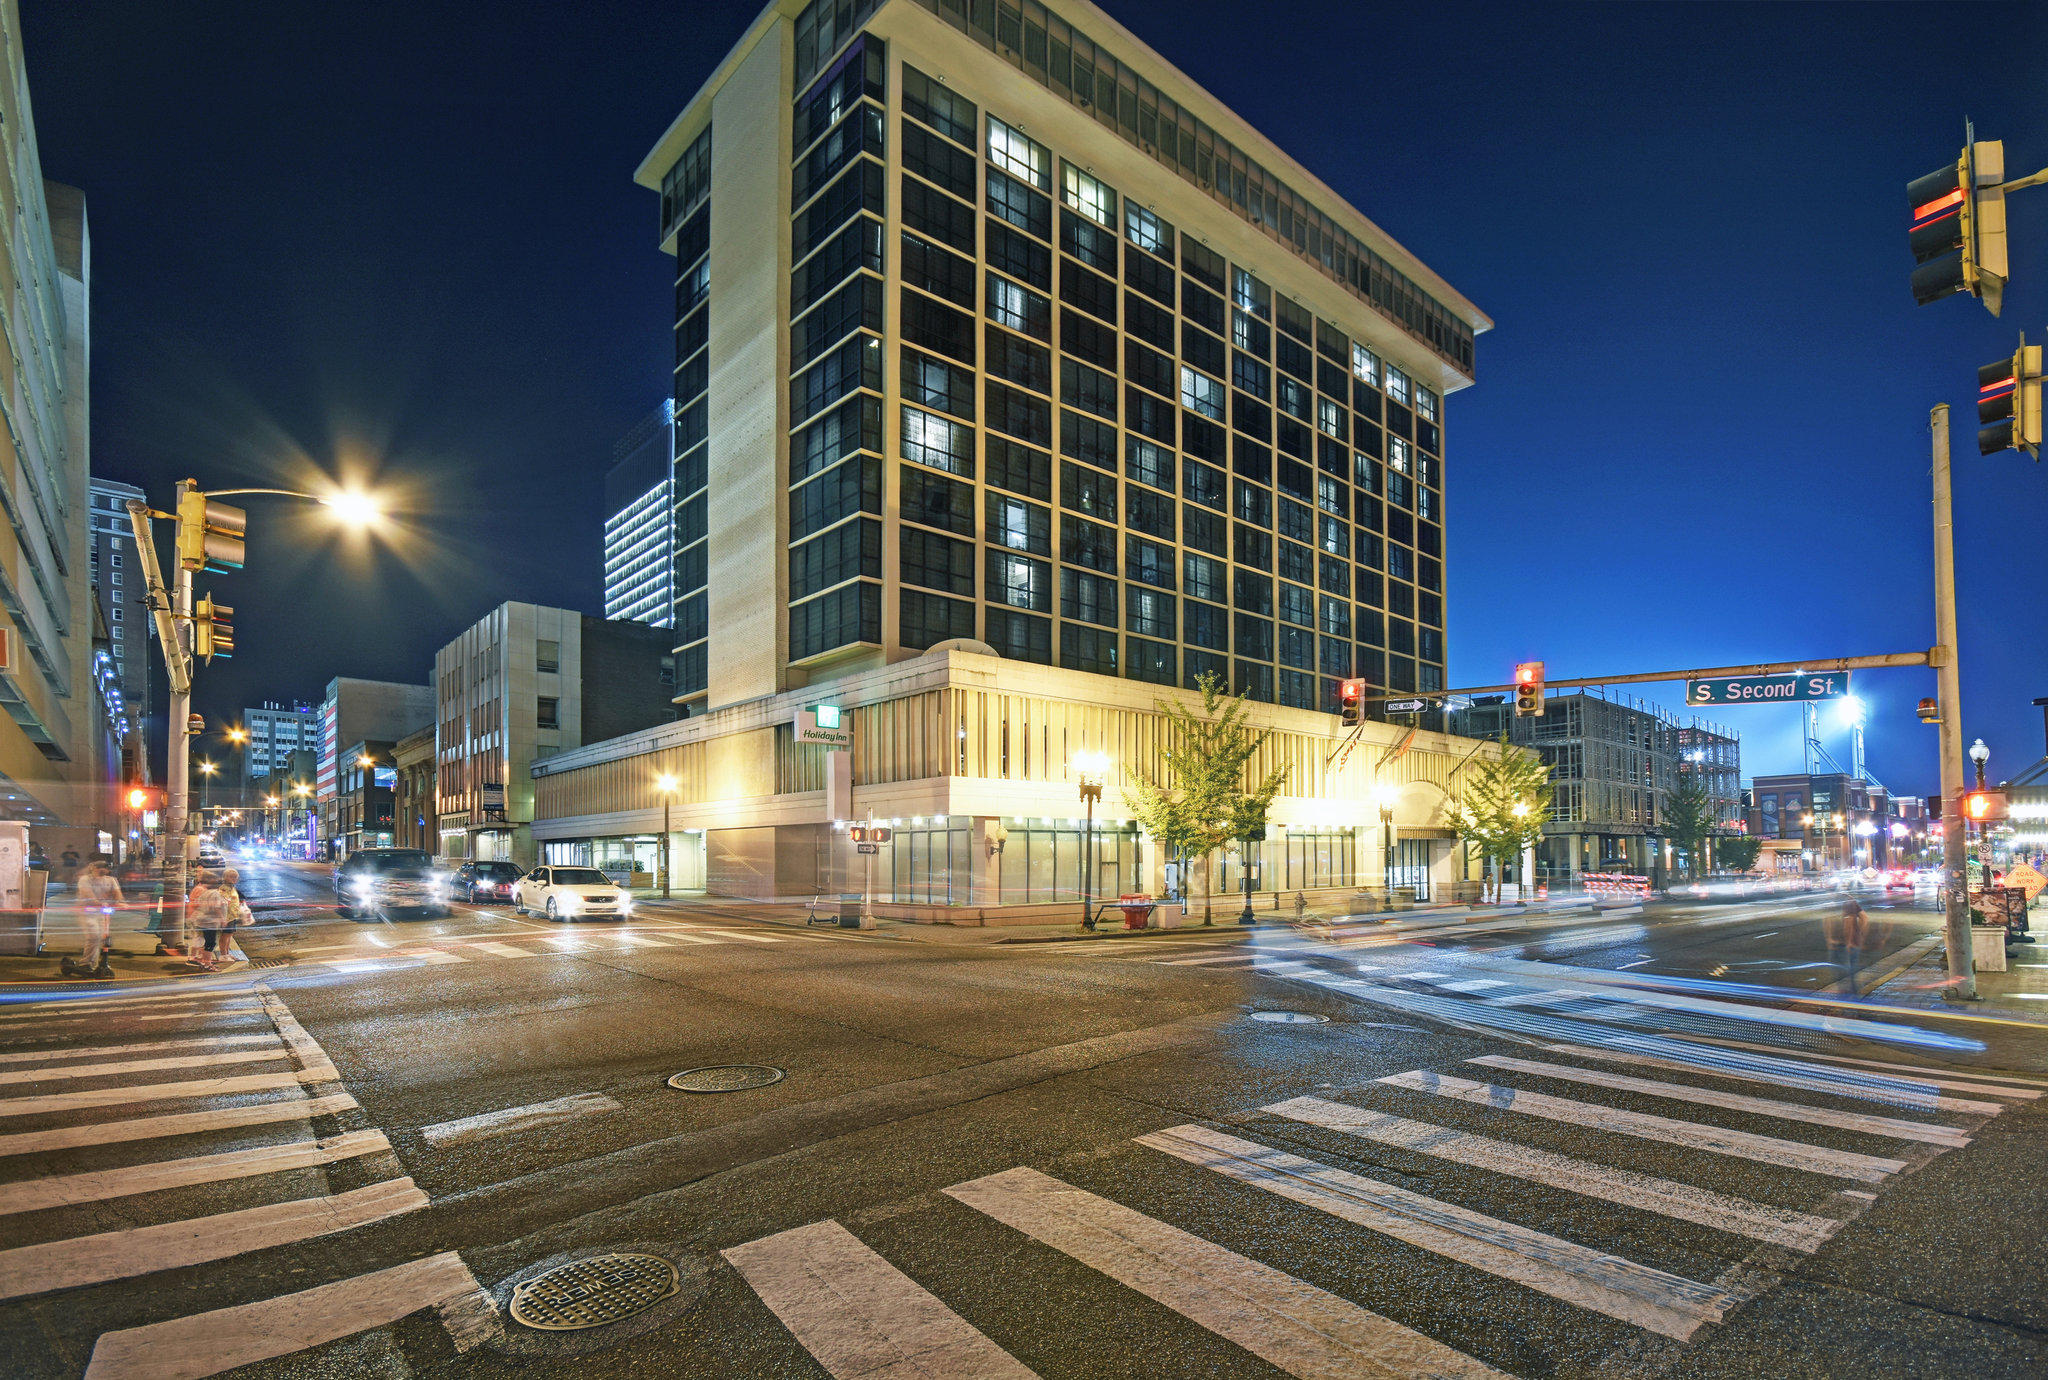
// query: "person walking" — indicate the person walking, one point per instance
point(208, 913)
point(1847, 933)
point(234, 913)
point(99, 895)
point(192, 917)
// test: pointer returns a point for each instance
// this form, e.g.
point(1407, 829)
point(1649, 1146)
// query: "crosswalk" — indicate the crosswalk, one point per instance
point(372, 956)
point(118, 1114)
point(1649, 1191)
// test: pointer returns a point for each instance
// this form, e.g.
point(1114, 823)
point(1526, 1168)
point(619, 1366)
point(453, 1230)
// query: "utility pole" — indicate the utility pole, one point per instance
point(1949, 700)
point(173, 612)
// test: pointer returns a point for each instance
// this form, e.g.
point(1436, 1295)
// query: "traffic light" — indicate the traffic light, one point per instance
point(1934, 808)
point(1351, 702)
point(1983, 807)
point(144, 798)
point(2009, 403)
point(1957, 230)
point(210, 535)
point(212, 634)
point(1529, 689)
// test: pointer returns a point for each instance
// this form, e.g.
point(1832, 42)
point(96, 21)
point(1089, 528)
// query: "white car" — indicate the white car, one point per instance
point(571, 893)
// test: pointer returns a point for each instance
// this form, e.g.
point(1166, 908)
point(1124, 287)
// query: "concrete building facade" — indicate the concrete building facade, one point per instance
point(1021, 344)
point(276, 732)
point(55, 769)
point(354, 712)
point(415, 821)
point(522, 684)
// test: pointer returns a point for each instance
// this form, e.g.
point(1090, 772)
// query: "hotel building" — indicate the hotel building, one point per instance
point(1018, 384)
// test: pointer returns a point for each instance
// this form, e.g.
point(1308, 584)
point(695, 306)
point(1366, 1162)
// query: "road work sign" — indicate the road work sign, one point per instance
point(1830, 685)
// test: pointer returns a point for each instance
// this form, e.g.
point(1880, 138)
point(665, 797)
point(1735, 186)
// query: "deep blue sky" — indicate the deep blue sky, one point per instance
point(405, 236)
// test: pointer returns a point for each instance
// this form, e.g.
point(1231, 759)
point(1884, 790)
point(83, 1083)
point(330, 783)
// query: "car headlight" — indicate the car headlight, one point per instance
point(625, 901)
point(360, 886)
point(568, 904)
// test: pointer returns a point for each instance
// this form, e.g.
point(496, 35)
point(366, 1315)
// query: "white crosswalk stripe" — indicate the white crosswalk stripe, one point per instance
point(1800, 1231)
point(1619, 1288)
point(1735, 1102)
point(1304, 1330)
point(860, 1316)
point(1781, 1073)
point(251, 1140)
point(1787, 1154)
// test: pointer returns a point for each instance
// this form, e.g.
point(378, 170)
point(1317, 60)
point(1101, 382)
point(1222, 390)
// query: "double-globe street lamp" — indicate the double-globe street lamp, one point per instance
point(1383, 797)
point(1091, 770)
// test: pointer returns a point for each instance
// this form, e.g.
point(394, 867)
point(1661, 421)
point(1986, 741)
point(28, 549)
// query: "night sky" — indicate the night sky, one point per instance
point(402, 242)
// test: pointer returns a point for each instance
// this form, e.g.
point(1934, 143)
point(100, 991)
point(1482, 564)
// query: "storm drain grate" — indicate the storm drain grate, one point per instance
point(1288, 1018)
point(592, 1292)
point(724, 1078)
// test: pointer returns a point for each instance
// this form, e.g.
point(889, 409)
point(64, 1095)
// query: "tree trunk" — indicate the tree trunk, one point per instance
point(1208, 918)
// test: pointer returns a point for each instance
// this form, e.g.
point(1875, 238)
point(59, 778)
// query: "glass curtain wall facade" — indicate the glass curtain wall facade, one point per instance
point(686, 211)
point(1119, 451)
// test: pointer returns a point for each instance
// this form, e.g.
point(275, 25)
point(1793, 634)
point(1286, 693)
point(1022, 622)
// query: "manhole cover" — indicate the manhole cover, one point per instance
point(721, 1078)
point(1288, 1017)
point(592, 1292)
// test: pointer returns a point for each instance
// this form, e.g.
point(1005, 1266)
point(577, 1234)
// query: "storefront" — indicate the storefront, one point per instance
point(970, 761)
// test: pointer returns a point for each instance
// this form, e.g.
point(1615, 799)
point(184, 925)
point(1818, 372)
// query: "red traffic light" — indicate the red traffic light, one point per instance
point(1528, 672)
point(1351, 691)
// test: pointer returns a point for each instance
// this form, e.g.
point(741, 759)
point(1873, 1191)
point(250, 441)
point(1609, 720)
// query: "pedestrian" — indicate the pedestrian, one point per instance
point(234, 915)
point(1847, 933)
point(99, 895)
point(1300, 906)
point(211, 913)
point(184, 926)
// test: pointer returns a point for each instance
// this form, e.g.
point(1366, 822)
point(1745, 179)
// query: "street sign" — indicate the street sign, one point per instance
point(867, 848)
point(1406, 706)
point(1830, 685)
point(824, 723)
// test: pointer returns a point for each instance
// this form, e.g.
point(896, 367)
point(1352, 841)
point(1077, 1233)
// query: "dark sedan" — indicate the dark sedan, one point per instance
point(486, 881)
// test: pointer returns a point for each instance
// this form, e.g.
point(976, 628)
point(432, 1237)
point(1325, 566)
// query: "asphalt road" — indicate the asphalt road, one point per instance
point(1074, 1160)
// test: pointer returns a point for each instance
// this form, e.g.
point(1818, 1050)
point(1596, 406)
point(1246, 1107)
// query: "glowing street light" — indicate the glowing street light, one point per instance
point(354, 508)
point(1091, 770)
point(666, 784)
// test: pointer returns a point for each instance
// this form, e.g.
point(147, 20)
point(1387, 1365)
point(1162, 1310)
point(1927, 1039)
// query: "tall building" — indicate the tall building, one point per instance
point(354, 712)
point(1021, 342)
point(640, 529)
point(520, 685)
point(118, 586)
point(54, 770)
point(1614, 762)
point(275, 733)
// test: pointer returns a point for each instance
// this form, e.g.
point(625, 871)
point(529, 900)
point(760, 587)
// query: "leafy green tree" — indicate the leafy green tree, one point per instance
point(1502, 806)
point(1739, 851)
point(1690, 820)
point(1206, 796)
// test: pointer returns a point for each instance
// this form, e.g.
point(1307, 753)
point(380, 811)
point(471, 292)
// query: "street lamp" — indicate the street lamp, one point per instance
point(1979, 754)
point(1383, 796)
point(665, 784)
point(1091, 769)
point(209, 535)
point(206, 770)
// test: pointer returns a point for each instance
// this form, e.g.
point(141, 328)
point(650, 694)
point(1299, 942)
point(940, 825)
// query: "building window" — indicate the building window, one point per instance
point(1201, 393)
point(1148, 231)
point(932, 440)
point(1088, 196)
point(1365, 365)
point(1019, 155)
point(547, 656)
point(547, 712)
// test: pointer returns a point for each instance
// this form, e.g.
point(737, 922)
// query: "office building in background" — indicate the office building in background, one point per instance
point(640, 523)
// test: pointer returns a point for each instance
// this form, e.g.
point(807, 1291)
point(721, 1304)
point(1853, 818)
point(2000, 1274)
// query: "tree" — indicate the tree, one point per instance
point(1690, 820)
point(1503, 805)
point(1739, 851)
point(1205, 796)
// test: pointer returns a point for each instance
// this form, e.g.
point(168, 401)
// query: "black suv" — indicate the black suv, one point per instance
point(379, 881)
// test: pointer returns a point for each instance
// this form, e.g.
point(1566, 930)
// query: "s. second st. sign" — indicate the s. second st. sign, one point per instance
point(1830, 685)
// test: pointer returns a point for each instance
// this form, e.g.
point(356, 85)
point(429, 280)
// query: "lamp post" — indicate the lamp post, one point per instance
point(1522, 883)
point(1384, 799)
point(210, 535)
point(1091, 769)
point(206, 771)
point(1979, 755)
point(302, 790)
point(270, 817)
point(665, 784)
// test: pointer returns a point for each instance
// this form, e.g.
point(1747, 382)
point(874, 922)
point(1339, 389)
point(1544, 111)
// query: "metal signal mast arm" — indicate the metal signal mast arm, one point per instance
point(177, 661)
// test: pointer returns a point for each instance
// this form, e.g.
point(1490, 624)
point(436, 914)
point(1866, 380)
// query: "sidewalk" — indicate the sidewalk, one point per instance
point(131, 954)
point(1110, 928)
point(2020, 993)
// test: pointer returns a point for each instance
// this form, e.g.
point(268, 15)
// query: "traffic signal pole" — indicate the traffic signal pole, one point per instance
point(1949, 701)
point(173, 613)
